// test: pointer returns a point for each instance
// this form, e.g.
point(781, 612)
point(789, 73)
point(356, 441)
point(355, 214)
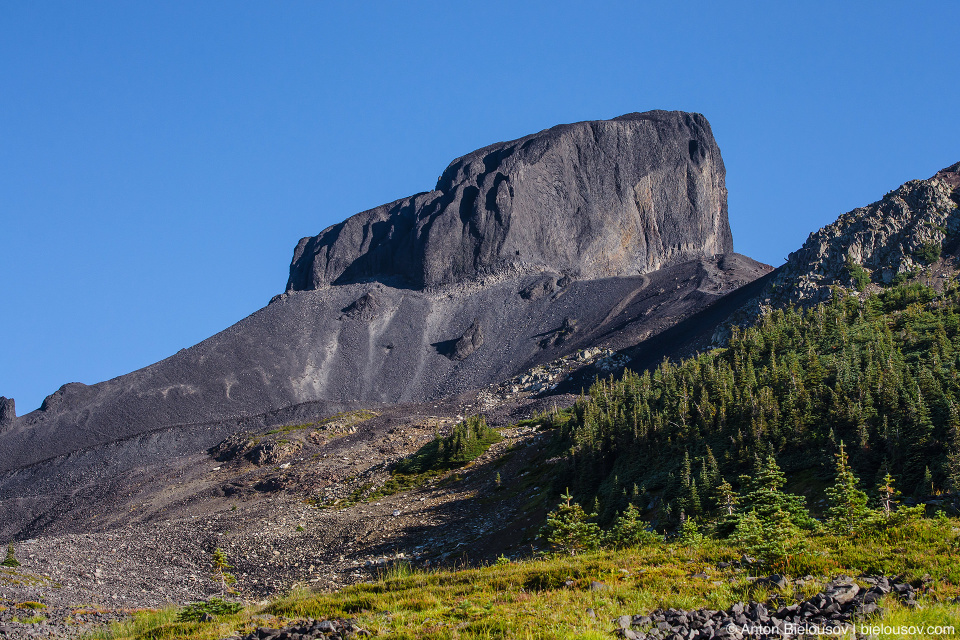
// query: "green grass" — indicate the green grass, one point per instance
point(29, 620)
point(467, 441)
point(529, 599)
point(922, 622)
point(346, 418)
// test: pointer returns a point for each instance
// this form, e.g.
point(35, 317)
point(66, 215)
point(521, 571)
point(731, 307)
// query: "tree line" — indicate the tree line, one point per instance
point(877, 372)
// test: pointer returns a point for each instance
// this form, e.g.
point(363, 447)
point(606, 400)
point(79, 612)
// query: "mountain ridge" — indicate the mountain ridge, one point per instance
point(598, 211)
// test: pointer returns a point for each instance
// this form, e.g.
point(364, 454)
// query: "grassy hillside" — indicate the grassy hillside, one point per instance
point(686, 468)
point(551, 597)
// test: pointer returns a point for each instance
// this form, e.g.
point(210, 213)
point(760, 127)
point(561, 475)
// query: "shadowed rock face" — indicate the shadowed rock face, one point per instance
point(590, 200)
point(8, 411)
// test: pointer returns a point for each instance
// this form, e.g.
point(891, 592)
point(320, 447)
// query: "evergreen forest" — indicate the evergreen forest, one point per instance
point(877, 373)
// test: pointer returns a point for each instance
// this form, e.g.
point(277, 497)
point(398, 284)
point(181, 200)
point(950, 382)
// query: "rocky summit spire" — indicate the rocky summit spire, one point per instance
point(8, 411)
point(591, 199)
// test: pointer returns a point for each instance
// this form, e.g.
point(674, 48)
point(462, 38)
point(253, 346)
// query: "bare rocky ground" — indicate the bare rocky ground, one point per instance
point(133, 524)
point(278, 505)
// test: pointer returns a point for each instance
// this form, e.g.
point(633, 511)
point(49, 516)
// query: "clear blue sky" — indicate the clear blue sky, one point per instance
point(160, 160)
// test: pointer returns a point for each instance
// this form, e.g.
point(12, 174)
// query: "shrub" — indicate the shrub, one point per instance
point(928, 252)
point(195, 611)
point(858, 275)
point(468, 441)
point(901, 297)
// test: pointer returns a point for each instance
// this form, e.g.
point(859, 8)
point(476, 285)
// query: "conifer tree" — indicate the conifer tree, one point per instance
point(953, 455)
point(630, 530)
point(953, 462)
point(569, 529)
point(766, 498)
point(220, 571)
point(771, 542)
point(888, 495)
point(690, 533)
point(848, 504)
point(11, 559)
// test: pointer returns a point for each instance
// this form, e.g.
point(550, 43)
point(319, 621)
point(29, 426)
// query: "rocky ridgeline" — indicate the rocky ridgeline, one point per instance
point(831, 612)
point(886, 238)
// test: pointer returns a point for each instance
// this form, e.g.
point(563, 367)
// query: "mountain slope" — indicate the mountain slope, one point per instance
point(379, 307)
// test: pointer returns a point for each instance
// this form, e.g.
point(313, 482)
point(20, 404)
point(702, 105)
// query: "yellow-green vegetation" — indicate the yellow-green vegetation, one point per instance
point(531, 599)
point(467, 441)
point(31, 605)
point(163, 624)
point(930, 621)
point(345, 419)
point(29, 620)
point(19, 577)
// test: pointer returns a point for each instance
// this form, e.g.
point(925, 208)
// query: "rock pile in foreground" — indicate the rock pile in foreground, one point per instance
point(832, 611)
point(336, 629)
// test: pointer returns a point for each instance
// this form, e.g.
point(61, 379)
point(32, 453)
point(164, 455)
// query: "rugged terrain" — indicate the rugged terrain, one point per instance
point(259, 440)
point(570, 221)
point(911, 227)
point(264, 439)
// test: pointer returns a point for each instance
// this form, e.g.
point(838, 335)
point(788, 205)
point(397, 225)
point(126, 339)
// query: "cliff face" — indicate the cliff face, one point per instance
point(906, 229)
point(592, 199)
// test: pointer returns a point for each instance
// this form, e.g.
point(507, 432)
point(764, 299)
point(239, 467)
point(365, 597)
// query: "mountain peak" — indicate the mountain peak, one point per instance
point(590, 199)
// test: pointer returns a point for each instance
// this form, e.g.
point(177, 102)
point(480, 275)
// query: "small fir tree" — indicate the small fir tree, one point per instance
point(690, 533)
point(630, 530)
point(848, 504)
point(727, 500)
point(926, 485)
point(769, 541)
point(569, 529)
point(765, 496)
point(11, 559)
point(220, 571)
point(888, 496)
point(953, 455)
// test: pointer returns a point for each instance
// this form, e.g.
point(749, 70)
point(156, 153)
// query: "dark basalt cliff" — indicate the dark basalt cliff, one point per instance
point(589, 200)
point(596, 233)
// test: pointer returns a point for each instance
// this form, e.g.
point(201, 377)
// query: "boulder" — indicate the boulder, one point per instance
point(469, 342)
